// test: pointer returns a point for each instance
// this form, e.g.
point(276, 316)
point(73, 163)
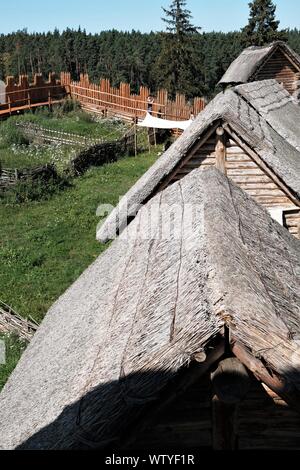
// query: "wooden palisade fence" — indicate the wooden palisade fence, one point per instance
point(101, 98)
point(23, 95)
point(107, 99)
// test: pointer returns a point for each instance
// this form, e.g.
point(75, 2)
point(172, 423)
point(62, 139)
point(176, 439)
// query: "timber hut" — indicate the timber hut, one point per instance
point(251, 133)
point(184, 334)
point(275, 61)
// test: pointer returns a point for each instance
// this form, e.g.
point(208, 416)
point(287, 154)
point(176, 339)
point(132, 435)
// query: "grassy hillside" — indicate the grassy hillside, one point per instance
point(17, 151)
point(46, 245)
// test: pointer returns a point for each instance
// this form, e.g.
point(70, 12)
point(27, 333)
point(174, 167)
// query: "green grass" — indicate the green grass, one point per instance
point(45, 246)
point(14, 153)
point(13, 348)
point(30, 156)
point(77, 122)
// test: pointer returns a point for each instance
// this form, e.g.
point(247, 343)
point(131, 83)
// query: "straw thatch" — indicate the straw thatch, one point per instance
point(245, 66)
point(139, 314)
point(262, 114)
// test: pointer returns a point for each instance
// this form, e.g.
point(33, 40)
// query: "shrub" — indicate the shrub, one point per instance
point(10, 134)
point(33, 190)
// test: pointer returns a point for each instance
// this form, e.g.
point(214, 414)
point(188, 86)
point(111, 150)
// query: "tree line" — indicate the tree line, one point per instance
point(181, 59)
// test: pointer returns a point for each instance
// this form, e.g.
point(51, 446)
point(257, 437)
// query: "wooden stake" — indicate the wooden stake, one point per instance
point(149, 142)
point(135, 140)
point(220, 151)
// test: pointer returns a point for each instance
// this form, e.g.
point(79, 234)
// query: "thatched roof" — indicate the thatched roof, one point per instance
point(245, 66)
point(139, 314)
point(262, 113)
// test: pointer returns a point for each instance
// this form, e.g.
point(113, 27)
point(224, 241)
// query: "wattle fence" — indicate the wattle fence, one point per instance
point(99, 98)
point(11, 177)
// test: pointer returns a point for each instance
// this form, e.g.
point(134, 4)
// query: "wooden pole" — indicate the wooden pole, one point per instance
point(135, 139)
point(149, 142)
point(155, 143)
point(231, 384)
point(220, 151)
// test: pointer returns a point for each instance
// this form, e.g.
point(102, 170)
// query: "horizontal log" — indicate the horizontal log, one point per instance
point(243, 166)
point(265, 192)
point(254, 185)
point(293, 215)
point(252, 179)
point(293, 223)
point(271, 200)
point(237, 158)
point(246, 173)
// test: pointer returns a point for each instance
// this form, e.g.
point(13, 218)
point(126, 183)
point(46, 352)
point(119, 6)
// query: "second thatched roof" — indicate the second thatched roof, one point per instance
point(262, 114)
point(245, 66)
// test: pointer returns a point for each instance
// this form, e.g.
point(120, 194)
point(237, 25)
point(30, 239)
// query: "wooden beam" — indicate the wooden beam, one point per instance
point(273, 380)
point(220, 151)
point(231, 383)
point(191, 152)
point(261, 164)
point(225, 425)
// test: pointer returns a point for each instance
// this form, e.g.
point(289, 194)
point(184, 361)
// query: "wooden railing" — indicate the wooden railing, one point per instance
point(107, 99)
point(22, 95)
point(99, 98)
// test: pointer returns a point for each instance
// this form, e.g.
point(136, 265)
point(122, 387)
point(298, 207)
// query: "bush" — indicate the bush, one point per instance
point(68, 106)
point(14, 349)
point(33, 190)
point(10, 134)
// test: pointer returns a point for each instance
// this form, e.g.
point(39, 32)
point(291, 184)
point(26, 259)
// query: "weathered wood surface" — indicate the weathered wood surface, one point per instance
point(23, 95)
point(12, 322)
point(281, 67)
point(224, 153)
point(105, 99)
point(266, 422)
point(274, 61)
point(184, 424)
point(11, 177)
point(254, 118)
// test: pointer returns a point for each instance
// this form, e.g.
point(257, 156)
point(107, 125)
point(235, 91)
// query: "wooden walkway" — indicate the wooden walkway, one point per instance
point(11, 110)
point(99, 98)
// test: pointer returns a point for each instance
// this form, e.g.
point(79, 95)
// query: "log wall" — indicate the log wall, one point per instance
point(246, 174)
point(266, 422)
point(184, 424)
point(280, 67)
point(263, 421)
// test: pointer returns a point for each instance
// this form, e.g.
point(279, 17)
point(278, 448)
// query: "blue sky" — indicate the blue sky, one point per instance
point(143, 15)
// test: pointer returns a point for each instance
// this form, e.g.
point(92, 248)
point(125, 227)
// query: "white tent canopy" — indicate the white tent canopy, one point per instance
point(157, 123)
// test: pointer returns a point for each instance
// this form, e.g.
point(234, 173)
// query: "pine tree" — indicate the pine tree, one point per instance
point(177, 61)
point(263, 27)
